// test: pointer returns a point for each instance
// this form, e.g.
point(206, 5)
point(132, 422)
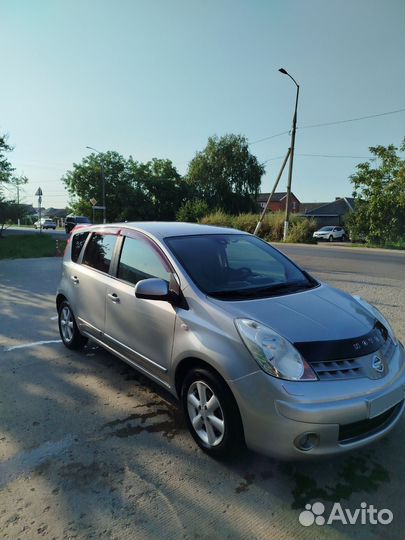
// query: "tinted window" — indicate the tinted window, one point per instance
point(82, 220)
point(140, 260)
point(237, 266)
point(77, 244)
point(99, 251)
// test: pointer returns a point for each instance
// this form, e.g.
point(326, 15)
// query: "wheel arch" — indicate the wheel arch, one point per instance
point(188, 363)
point(59, 299)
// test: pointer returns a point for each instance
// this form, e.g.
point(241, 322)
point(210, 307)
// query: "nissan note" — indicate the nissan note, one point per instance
point(257, 351)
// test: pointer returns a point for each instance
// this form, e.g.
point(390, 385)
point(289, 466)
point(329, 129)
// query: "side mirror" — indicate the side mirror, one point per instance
point(152, 289)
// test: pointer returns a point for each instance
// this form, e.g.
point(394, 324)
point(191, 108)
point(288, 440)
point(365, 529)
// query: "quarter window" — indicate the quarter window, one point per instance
point(78, 242)
point(99, 251)
point(139, 260)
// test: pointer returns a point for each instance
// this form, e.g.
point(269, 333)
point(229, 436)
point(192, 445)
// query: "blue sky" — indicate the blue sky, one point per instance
point(156, 78)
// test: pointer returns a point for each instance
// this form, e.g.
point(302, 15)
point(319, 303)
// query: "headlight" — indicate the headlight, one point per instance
point(273, 353)
point(378, 315)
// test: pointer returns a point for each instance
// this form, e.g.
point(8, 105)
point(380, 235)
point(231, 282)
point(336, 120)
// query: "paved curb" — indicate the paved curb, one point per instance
point(340, 246)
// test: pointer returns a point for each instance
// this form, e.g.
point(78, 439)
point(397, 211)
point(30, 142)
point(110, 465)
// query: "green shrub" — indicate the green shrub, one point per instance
point(301, 230)
point(246, 222)
point(218, 218)
point(192, 211)
point(272, 227)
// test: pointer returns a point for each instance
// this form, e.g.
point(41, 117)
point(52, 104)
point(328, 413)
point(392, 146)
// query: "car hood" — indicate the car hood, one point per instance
point(319, 314)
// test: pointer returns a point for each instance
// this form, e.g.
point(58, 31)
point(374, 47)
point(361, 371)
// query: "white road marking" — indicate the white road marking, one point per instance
point(35, 343)
point(53, 318)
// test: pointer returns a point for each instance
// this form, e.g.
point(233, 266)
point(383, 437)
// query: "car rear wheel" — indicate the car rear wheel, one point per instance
point(330, 238)
point(212, 414)
point(69, 332)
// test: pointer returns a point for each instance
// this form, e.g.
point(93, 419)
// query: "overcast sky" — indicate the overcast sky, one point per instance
point(156, 78)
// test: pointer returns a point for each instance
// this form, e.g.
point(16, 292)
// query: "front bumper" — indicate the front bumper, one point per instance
point(338, 416)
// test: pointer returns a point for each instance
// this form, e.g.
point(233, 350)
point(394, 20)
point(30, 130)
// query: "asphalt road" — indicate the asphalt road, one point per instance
point(91, 449)
point(338, 258)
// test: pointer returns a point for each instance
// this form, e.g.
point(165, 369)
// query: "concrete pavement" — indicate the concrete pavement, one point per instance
point(89, 448)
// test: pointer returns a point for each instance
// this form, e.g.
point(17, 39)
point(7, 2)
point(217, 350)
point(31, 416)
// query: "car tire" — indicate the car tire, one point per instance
point(343, 238)
point(219, 434)
point(330, 238)
point(68, 330)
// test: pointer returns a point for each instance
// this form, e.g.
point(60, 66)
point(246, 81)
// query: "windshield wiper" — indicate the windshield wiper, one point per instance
point(271, 290)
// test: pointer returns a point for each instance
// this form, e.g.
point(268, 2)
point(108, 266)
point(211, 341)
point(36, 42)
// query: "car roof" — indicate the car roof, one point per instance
point(165, 229)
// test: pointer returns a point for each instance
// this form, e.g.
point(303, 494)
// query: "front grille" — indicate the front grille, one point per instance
point(329, 368)
point(338, 369)
point(349, 433)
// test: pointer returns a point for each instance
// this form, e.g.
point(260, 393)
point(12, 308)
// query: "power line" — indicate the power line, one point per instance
point(270, 137)
point(357, 119)
point(335, 156)
point(352, 119)
point(321, 156)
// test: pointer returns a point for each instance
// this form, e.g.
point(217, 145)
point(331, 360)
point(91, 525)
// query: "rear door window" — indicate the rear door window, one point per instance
point(99, 251)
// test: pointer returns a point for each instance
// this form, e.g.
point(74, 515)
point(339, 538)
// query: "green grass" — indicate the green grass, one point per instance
point(25, 246)
point(393, 245)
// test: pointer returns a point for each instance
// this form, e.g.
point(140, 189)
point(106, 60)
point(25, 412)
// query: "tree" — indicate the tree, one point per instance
point(84, 182)
point(379, 191)
point(164, 187)
point(134, 190)
point(9, 213)
point(6, 169)
point(226, 175)
point(8, 210)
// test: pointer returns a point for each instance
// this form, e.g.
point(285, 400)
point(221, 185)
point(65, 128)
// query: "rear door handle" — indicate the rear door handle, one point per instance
point(75, 279)
point(113, 297)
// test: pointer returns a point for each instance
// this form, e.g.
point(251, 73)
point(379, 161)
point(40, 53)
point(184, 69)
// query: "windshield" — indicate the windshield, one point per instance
point(82, 220)
point(233, 266)
point(326, 229)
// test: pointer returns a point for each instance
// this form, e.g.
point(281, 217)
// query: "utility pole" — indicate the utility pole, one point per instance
point(39, 195)
point(292, 148)
point(18, 204)
point(259, 223)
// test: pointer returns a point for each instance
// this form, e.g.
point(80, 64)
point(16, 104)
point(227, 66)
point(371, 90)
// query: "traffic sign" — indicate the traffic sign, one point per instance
point(38, 192)
point(93, 201)
point(99, 207)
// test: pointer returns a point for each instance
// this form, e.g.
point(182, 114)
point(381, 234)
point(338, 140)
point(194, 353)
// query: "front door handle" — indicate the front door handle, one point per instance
point(75, 279)
point(114, 298)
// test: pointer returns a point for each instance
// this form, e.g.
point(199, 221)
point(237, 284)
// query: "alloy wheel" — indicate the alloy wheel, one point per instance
point(205, 413)
point(66, 324)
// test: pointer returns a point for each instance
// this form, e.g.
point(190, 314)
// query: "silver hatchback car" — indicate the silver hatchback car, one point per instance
point(257, 350)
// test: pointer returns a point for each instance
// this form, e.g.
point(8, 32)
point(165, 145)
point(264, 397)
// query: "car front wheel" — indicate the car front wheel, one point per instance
point(330, 238)
point(69, 332)
point(212, 414)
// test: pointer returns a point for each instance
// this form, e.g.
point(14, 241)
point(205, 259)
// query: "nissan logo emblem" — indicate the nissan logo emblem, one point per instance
point(377, 364)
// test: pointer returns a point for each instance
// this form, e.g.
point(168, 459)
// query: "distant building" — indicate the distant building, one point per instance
point(332, 213)
point(278, 202)
point(56, 212)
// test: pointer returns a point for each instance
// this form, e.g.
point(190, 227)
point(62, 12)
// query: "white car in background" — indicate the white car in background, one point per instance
point(45, 223)
point(331, 233)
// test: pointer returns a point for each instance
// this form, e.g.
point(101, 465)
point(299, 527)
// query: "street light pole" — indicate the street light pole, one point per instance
point(102, 181)
point(292, 147)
